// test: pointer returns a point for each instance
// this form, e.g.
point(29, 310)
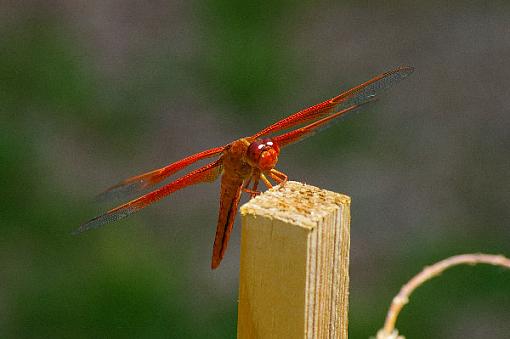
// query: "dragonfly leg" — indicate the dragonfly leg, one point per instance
point(280, 177)
point(253, 192)
point(255, 186)
point(265, 181)
point(246, 184)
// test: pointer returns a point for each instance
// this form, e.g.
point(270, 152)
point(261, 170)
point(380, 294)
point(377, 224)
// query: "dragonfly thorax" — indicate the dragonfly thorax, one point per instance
point(263, 154)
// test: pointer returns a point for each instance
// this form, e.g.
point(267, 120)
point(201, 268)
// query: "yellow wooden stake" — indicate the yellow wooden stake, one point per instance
point(294, 276)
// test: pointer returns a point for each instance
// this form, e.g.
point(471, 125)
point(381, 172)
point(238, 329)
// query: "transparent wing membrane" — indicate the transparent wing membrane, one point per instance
point(371, 88)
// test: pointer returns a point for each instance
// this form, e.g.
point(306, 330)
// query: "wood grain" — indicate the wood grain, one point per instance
point(294, 275)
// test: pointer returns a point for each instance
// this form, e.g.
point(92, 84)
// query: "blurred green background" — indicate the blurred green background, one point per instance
point(92, 92)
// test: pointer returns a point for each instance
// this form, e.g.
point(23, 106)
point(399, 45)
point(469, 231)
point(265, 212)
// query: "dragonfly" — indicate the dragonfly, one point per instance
point(243, 162)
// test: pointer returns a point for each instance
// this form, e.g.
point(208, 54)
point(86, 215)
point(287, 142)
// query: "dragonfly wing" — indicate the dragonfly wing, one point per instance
point(309, 130)
point(138, 183)
point(229, 200)
point(206, 173)
point(357, 95)
point(370, 89)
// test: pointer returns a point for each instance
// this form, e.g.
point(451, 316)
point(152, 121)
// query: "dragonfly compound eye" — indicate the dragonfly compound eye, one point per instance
point(263, 154)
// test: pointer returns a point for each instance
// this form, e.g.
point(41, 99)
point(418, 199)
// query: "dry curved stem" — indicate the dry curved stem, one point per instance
point(430, 272)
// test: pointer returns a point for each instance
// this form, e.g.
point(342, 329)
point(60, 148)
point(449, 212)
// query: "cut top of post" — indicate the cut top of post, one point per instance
point(296, 203)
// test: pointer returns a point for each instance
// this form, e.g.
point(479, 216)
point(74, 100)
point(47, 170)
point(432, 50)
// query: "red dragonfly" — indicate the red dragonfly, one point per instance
point(243, 161)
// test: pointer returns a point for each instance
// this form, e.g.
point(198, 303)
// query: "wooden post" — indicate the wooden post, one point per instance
point(294, 276)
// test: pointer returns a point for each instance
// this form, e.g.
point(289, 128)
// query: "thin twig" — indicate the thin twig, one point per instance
point(430, 272)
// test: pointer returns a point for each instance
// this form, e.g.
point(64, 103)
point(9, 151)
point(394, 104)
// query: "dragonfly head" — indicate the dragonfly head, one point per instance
point(263, 154)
